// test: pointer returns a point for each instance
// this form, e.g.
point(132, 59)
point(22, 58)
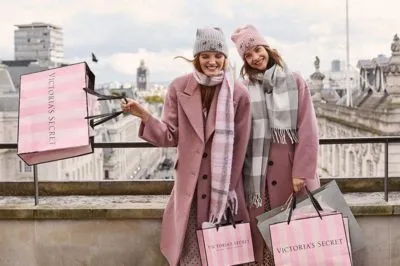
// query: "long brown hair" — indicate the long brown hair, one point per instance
point(207, 92)
point(249, 72)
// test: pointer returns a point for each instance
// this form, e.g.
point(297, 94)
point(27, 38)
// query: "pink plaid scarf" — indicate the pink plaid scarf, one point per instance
point(222, 145)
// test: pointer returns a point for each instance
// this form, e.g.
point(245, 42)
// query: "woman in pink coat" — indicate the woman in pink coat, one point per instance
point(282, 152)
point(207, 117)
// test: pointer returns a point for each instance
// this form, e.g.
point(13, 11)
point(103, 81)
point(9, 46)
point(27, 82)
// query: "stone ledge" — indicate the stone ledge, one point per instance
point(375, 210)
point(149, 207)
point(81, 214)
point(370, 184)
point(159, 187)
point(88, 188)
point(83, 207)
point(373, 204)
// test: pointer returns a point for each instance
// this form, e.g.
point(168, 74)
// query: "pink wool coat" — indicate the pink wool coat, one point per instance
point(290, 160)
point(182, 125)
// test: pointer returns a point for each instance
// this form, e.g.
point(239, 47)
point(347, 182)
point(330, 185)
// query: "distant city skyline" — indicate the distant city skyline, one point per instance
point(124, 33)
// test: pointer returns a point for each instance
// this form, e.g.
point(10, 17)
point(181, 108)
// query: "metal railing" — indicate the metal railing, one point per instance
point(326, 141)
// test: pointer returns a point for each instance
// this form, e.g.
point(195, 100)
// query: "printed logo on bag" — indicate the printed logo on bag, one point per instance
point(311, 245)
point(229, 245)
point(51, 109)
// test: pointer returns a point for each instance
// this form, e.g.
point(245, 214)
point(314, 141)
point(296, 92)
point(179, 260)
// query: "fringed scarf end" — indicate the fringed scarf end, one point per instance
point(255, 200)
point(279, 135)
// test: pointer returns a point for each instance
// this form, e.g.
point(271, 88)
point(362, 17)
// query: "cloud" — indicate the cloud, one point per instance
point(320, 29)
point(125, 31)
point(162, 65)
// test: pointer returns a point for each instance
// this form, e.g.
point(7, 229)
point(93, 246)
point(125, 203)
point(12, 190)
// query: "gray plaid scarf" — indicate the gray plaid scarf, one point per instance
point(274, 103)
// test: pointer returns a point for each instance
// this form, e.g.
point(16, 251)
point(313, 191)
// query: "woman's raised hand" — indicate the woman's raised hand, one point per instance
point(135, 108)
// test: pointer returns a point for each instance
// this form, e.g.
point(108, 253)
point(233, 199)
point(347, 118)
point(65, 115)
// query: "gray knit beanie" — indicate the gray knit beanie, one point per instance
point(210, 40)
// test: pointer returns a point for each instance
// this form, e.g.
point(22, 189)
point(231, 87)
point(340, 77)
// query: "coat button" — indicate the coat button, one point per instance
point(205, 176)
point(274, 182)
point(203, 196)
point(205, 155)
point(270, 163)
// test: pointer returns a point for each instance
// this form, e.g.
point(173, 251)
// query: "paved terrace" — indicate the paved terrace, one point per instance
point(131, 199)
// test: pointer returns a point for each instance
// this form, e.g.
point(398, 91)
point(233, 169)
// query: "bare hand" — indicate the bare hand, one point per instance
point(298, 184)
point(135, 108)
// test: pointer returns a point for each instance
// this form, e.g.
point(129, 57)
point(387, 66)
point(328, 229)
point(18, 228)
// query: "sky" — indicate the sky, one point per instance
point(122, 32)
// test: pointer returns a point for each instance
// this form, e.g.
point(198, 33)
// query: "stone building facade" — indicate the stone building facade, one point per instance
point(375, 111)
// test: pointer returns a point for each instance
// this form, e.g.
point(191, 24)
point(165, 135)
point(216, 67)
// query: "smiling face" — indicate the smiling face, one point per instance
point(257, 57)
point(211, 63)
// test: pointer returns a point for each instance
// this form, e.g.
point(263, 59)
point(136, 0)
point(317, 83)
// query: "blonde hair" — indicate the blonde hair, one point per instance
point(196, 61)
point(207, 92)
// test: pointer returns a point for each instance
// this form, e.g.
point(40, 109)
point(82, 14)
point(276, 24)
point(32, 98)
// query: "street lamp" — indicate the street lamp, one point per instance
point(349, 100)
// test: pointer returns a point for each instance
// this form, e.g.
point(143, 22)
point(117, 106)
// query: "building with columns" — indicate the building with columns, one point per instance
point(375, 112)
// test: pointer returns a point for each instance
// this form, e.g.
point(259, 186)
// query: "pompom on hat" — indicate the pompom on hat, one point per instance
point(247, 37)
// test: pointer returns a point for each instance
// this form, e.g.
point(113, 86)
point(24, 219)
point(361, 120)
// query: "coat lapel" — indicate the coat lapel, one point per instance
point(190, 100)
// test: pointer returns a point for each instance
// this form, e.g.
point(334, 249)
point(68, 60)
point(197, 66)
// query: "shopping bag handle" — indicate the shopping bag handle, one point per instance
point(104, 118)
point(102, 97)
point(313, 200)
point(101, 115)
point(230, 219)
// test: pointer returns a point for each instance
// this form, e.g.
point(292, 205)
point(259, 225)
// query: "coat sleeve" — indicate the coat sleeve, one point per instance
point(242, 133)
point(306, 150)
point(163, 133)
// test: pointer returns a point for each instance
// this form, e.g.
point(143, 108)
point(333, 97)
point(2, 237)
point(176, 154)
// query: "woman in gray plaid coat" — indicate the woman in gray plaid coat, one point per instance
point(282, 152)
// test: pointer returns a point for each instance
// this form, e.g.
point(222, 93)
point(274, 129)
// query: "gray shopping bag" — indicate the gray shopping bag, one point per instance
point(331, 196)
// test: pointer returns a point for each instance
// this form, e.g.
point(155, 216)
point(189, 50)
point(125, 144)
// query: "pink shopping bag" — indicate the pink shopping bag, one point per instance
point(311, 241)
point(52, 111)
point(226, 246)
point(306, 211)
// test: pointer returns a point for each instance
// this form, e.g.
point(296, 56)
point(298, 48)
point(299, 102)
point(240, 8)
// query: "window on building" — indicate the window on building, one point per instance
point(370, 168)
point(337, 161)
point(24, 168)
point(352, 164)
point(28, 168)
point(106, 174)
point(344, 162)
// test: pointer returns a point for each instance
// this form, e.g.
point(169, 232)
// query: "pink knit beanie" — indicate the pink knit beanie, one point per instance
point(246, 38)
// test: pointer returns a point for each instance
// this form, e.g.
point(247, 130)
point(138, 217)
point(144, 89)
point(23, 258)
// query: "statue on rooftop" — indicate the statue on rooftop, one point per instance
point(396, 44)
point(316, 63)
